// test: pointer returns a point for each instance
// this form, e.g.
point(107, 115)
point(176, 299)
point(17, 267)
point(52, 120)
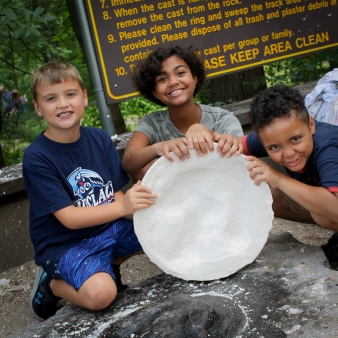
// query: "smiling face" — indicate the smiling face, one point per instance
point(289, 141)
point(62, 106)
point(175, 86)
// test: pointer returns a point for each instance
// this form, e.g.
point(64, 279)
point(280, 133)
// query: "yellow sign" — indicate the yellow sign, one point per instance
point(231, 35)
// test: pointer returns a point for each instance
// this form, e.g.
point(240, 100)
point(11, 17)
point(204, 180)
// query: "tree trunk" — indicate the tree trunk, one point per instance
point(2, 159)
point(237, 86)
point(118, 120)
point(332, 56)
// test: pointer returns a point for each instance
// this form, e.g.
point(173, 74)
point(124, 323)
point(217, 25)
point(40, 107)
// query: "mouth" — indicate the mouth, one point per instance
point(293, 163)
point(175, 92)
point(65, 114)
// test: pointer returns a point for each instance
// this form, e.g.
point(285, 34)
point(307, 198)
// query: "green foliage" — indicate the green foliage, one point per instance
point(19, 130)
point(203, 96)
point(133, 109)
point(33, 33)
point(91, 117)
point(301, 69)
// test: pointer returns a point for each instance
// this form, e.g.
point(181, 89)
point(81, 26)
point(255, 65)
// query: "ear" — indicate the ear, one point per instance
point(85, 98)
point(196, 80)
point(37, 108)
point(312, 125)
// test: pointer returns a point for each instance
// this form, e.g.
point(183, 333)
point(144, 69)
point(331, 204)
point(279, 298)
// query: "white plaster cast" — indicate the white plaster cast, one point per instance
point(209, 220)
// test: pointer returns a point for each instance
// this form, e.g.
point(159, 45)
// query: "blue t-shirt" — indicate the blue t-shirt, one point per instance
point(57, 175)
point(322, 166)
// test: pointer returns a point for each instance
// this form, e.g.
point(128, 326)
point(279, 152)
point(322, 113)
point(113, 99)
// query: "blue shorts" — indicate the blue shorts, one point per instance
point(96, 254)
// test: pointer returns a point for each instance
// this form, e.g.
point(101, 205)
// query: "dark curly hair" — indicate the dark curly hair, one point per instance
point(276, 102)
point(146, 71)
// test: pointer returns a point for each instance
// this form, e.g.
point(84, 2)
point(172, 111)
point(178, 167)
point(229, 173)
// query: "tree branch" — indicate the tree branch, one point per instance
point(20, 70)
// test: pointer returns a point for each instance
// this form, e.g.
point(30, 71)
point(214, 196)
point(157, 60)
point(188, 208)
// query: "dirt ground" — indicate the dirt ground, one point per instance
point(16, 283)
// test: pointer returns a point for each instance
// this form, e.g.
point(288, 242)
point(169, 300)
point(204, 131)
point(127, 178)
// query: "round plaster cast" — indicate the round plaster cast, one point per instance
point(209, 220)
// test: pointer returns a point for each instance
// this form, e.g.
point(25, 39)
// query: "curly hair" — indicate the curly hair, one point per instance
point(146, 71)
point(276, 102)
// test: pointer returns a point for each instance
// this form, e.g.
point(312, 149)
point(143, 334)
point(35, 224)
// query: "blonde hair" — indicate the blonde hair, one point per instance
point(54, 72)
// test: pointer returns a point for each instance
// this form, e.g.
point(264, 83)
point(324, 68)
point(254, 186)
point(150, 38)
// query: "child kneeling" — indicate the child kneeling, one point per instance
point(80, 220)
point(308, 150)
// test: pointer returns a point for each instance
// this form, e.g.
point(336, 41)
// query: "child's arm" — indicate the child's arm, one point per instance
point(201, 138)
point(321, 203)
point(139, 153)
point(137, 198)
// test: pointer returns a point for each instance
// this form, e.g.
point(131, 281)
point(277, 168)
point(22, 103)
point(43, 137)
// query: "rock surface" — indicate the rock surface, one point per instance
point(288, 291)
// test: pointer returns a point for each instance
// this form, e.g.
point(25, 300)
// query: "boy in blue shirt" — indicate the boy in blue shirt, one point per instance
point(78, 213)
point(308, 150)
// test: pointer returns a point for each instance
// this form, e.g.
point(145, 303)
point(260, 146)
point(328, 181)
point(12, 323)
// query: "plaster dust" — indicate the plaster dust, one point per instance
point(14, 311)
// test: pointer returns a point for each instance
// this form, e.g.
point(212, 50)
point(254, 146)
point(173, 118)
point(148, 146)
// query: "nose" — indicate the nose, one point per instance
point(289, 152)
point(63, 102)
point(172, 81)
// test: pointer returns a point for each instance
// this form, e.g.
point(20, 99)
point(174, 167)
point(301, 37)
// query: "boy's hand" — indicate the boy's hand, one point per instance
point(178, 146)
point(260, 171)
point(228, 144)
point(201, 138)
point(138, 197)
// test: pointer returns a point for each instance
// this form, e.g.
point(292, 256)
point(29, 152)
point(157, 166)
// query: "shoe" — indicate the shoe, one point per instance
point(120, 287)
point(331, 248)
point(41, 301)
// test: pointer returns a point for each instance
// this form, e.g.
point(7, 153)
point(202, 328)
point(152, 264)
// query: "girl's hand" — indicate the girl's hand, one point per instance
point(260, 171)
point(201, 138)
point(138, 197)
point(228, 145)
point(178, 146)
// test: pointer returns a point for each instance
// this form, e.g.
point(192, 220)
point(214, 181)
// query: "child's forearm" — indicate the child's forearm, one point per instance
point(136, 198)
point(317, 200)
point(84, 217)
point(136, 159)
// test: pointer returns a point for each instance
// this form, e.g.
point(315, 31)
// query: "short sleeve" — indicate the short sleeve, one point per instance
point(147, 127)
point(46, 190)
point(327, 167)
point(253, 146)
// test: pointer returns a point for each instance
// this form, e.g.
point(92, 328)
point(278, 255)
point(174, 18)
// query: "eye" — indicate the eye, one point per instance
point(180, 73)
point(161, 79)
point(51, 98)
point(296, 138)
point(70, 94)
point(274, 147)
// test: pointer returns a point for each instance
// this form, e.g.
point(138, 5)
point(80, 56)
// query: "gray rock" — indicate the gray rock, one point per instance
point(289, 291)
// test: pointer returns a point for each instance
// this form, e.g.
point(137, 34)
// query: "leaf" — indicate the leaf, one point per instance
point(4, 3)
point(10, 13)
point(38, 12)
point(18, 32)
point(47, 17)
point(3, 32)
point(32, 30)
point(27, 14)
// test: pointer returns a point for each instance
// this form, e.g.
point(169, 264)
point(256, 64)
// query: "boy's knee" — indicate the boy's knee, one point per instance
point(279, 203)
point(98, 291)
point(325, 222)
point(100, 298)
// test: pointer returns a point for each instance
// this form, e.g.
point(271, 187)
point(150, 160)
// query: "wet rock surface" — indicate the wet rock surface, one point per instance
point(289, 291)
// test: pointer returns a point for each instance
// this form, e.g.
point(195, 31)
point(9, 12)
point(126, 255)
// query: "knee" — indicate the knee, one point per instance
point(279, 203)
point(100, 298)
point(325, 222)
point(98, 291)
